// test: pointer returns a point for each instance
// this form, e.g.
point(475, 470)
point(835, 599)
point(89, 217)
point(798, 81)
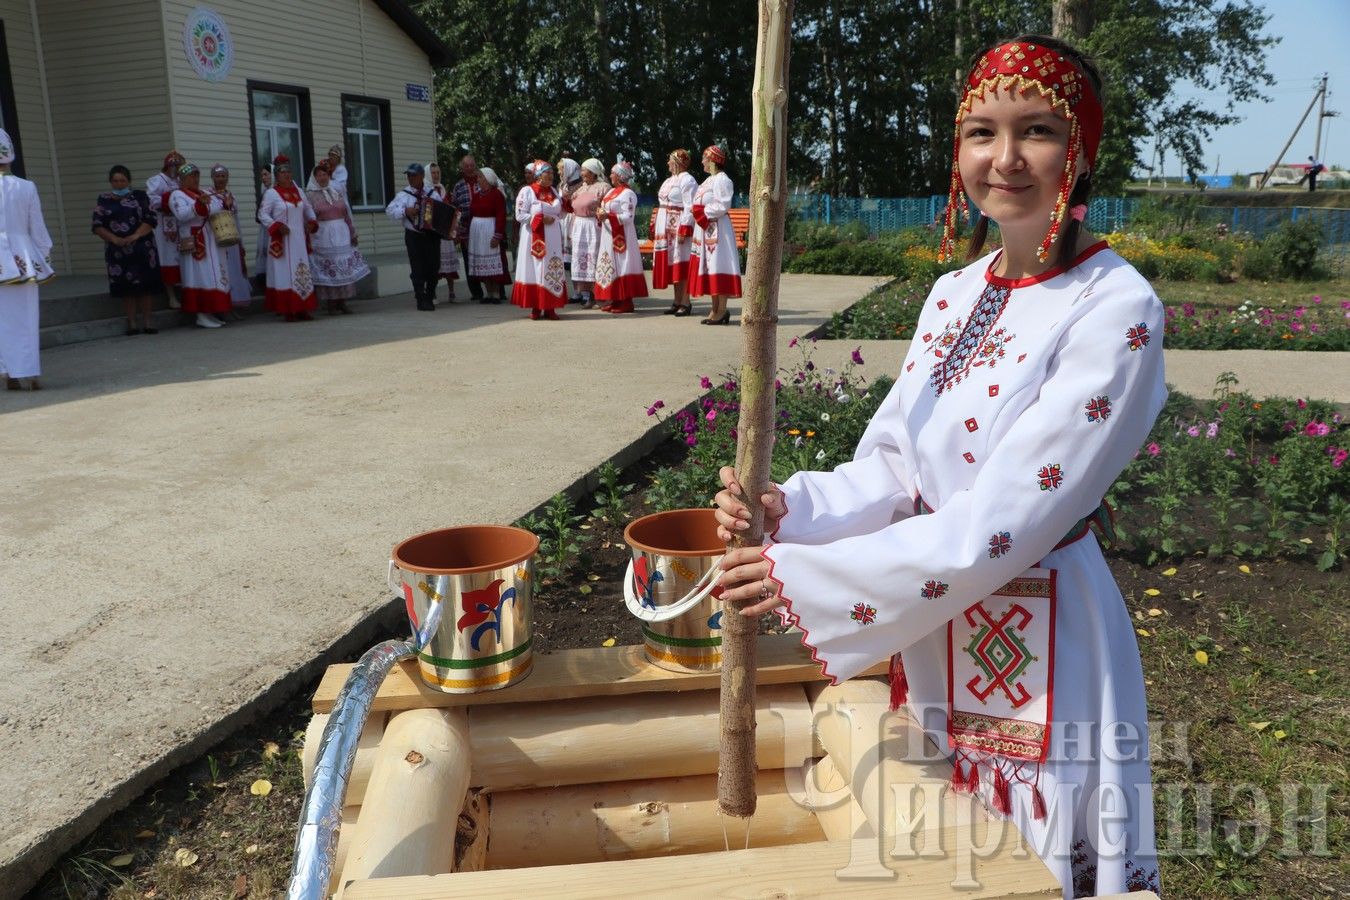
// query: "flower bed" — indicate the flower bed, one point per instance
point(892, 312)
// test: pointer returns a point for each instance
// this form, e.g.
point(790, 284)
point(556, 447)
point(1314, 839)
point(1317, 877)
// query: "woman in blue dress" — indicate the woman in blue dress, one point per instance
point(124, 219)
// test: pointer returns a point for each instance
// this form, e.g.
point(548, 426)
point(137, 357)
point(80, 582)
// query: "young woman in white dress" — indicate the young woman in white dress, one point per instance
point(673, 237)
point(715, 265)
point(957, 542)
point(619, 279)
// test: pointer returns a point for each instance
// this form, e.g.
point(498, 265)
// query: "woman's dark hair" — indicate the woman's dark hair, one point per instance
point(1082, 188)
point(119, 170)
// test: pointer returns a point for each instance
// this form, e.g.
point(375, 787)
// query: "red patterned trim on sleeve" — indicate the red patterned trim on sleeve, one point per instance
point(792, 619)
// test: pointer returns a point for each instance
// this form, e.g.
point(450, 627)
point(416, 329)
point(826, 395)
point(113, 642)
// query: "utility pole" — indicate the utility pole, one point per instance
point(1321, 114)
point(1320, 96)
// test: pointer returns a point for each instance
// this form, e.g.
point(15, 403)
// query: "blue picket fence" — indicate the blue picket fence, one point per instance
point(881, 214)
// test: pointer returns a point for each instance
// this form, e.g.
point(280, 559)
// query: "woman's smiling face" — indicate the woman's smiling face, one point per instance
point(1013, 149)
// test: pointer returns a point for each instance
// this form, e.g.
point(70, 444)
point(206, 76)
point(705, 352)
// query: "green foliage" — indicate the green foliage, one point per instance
point(887, 314)
point(821, 415)
point(611, 497)
point(1296, 244)
point(536, 79)
point(1240, 476)
point(559, 543)
point(866, 258)
point(1260, 262)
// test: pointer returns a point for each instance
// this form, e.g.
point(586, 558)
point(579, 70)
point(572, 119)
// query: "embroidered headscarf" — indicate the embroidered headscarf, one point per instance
point(6, 148)
point(537, 168)
point(172, 158)
point(571, 172)
point(187, 169)
point(623, 170)
point(595, 166)
point(1026, 67)
point(716, 154)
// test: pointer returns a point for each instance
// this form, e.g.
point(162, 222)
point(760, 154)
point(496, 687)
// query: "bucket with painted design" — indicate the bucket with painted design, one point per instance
point(671, 585)
point(468, 593)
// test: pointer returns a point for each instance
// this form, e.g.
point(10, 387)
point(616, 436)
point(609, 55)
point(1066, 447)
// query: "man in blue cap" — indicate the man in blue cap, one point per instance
point(424, 247)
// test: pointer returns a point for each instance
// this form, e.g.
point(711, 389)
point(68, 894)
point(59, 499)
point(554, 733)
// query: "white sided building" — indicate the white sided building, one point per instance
point(86, 84)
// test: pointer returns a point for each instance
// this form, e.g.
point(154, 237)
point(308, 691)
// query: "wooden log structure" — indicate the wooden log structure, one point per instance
point(417, 788)
point(366, 749)
point(631, 819)
point(625, 738)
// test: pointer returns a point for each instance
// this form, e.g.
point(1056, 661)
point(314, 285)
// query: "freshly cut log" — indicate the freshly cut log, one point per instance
point(366, 746)
point(599, 739)
point(345, 834)
point(471, 834)
point(837, 810)
point(885, 755)
point(631, 819)
point(411, 809)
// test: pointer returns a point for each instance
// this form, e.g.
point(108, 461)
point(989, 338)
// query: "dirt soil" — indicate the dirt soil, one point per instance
point(206, 832)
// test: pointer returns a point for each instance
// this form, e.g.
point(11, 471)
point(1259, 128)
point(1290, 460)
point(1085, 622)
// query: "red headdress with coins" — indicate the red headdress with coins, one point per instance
point(1025, 67)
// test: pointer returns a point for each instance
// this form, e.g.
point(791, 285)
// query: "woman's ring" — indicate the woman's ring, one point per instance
point(765, 592)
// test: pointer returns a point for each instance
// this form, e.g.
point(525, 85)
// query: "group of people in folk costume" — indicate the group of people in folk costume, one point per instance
point(694, 246)
point(307, 241)
point(591, 231)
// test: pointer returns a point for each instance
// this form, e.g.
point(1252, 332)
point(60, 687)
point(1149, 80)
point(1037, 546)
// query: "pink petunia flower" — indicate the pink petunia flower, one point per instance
point(705, 382)
point(1154, 449)
point(792, 343)
point(1339, 457)
point(1317, 429)
point(659, 404)
point(1213, 430)
point(857, 356)
point(1193, 431)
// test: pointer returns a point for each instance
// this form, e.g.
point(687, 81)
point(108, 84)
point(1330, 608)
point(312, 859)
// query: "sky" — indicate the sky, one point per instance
point(1314, 38)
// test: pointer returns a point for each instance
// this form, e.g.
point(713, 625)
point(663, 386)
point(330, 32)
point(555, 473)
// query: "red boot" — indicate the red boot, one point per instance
point(551, 315)
point(534, 314)
point(623, 306)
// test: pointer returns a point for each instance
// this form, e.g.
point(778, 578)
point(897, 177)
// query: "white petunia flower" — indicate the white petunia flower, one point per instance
point(820, 455)
point(824, 417)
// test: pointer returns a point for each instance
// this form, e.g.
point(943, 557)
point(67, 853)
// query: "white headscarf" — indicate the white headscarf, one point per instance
point(571, 172)
point(6, 148)
point(493, 180)
point(595, 166)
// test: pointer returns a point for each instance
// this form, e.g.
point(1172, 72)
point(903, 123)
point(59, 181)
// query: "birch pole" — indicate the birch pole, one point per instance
point(759, 363)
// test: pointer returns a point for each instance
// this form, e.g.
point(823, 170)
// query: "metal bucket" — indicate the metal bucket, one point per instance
point(671, 585)
point(468, 592)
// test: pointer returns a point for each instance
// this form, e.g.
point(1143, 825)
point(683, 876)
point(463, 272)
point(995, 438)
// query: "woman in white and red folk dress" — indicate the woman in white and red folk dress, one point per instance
point(289, 220)
point(585, 229)
point(715, 268)
point(541, 281)
point(618, 267)
point(957, 541)
point(206, 279)
point(674, 232)
point(241, 290)
point(158, 188)
point(337, 264)
point(450, 258)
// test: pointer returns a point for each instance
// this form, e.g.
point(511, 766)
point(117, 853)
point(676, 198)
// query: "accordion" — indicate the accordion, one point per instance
point(436, 217)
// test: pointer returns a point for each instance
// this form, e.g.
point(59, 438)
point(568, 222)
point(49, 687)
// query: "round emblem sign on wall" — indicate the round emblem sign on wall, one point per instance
point(207, 43)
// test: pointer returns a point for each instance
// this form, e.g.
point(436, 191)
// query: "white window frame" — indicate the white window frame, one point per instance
point(356, 165)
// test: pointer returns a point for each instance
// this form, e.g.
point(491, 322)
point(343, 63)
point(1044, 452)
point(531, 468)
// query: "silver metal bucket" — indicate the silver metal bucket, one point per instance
point(468, 592)
point(671, 585)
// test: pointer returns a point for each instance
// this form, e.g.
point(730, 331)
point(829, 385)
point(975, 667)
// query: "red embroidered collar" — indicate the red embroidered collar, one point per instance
point(290, 193)
point(1078, 260)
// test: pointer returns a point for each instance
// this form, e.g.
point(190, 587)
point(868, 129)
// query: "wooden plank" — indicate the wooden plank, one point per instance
point(586, 672)
point(801, 870)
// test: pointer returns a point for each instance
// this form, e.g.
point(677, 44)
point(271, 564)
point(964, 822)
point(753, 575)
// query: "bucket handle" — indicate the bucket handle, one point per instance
point(705, 586)
point(421, 636)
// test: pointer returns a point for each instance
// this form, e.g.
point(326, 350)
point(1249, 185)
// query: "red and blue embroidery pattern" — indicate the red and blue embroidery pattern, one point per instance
point(1137, 336)
point(933, 589)
point(1050, 476)
point(863, 614)
point(974, 342)
point(1098, 409)
point(999, 544)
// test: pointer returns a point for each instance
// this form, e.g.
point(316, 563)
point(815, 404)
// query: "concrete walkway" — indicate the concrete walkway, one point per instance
point(188, 519)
